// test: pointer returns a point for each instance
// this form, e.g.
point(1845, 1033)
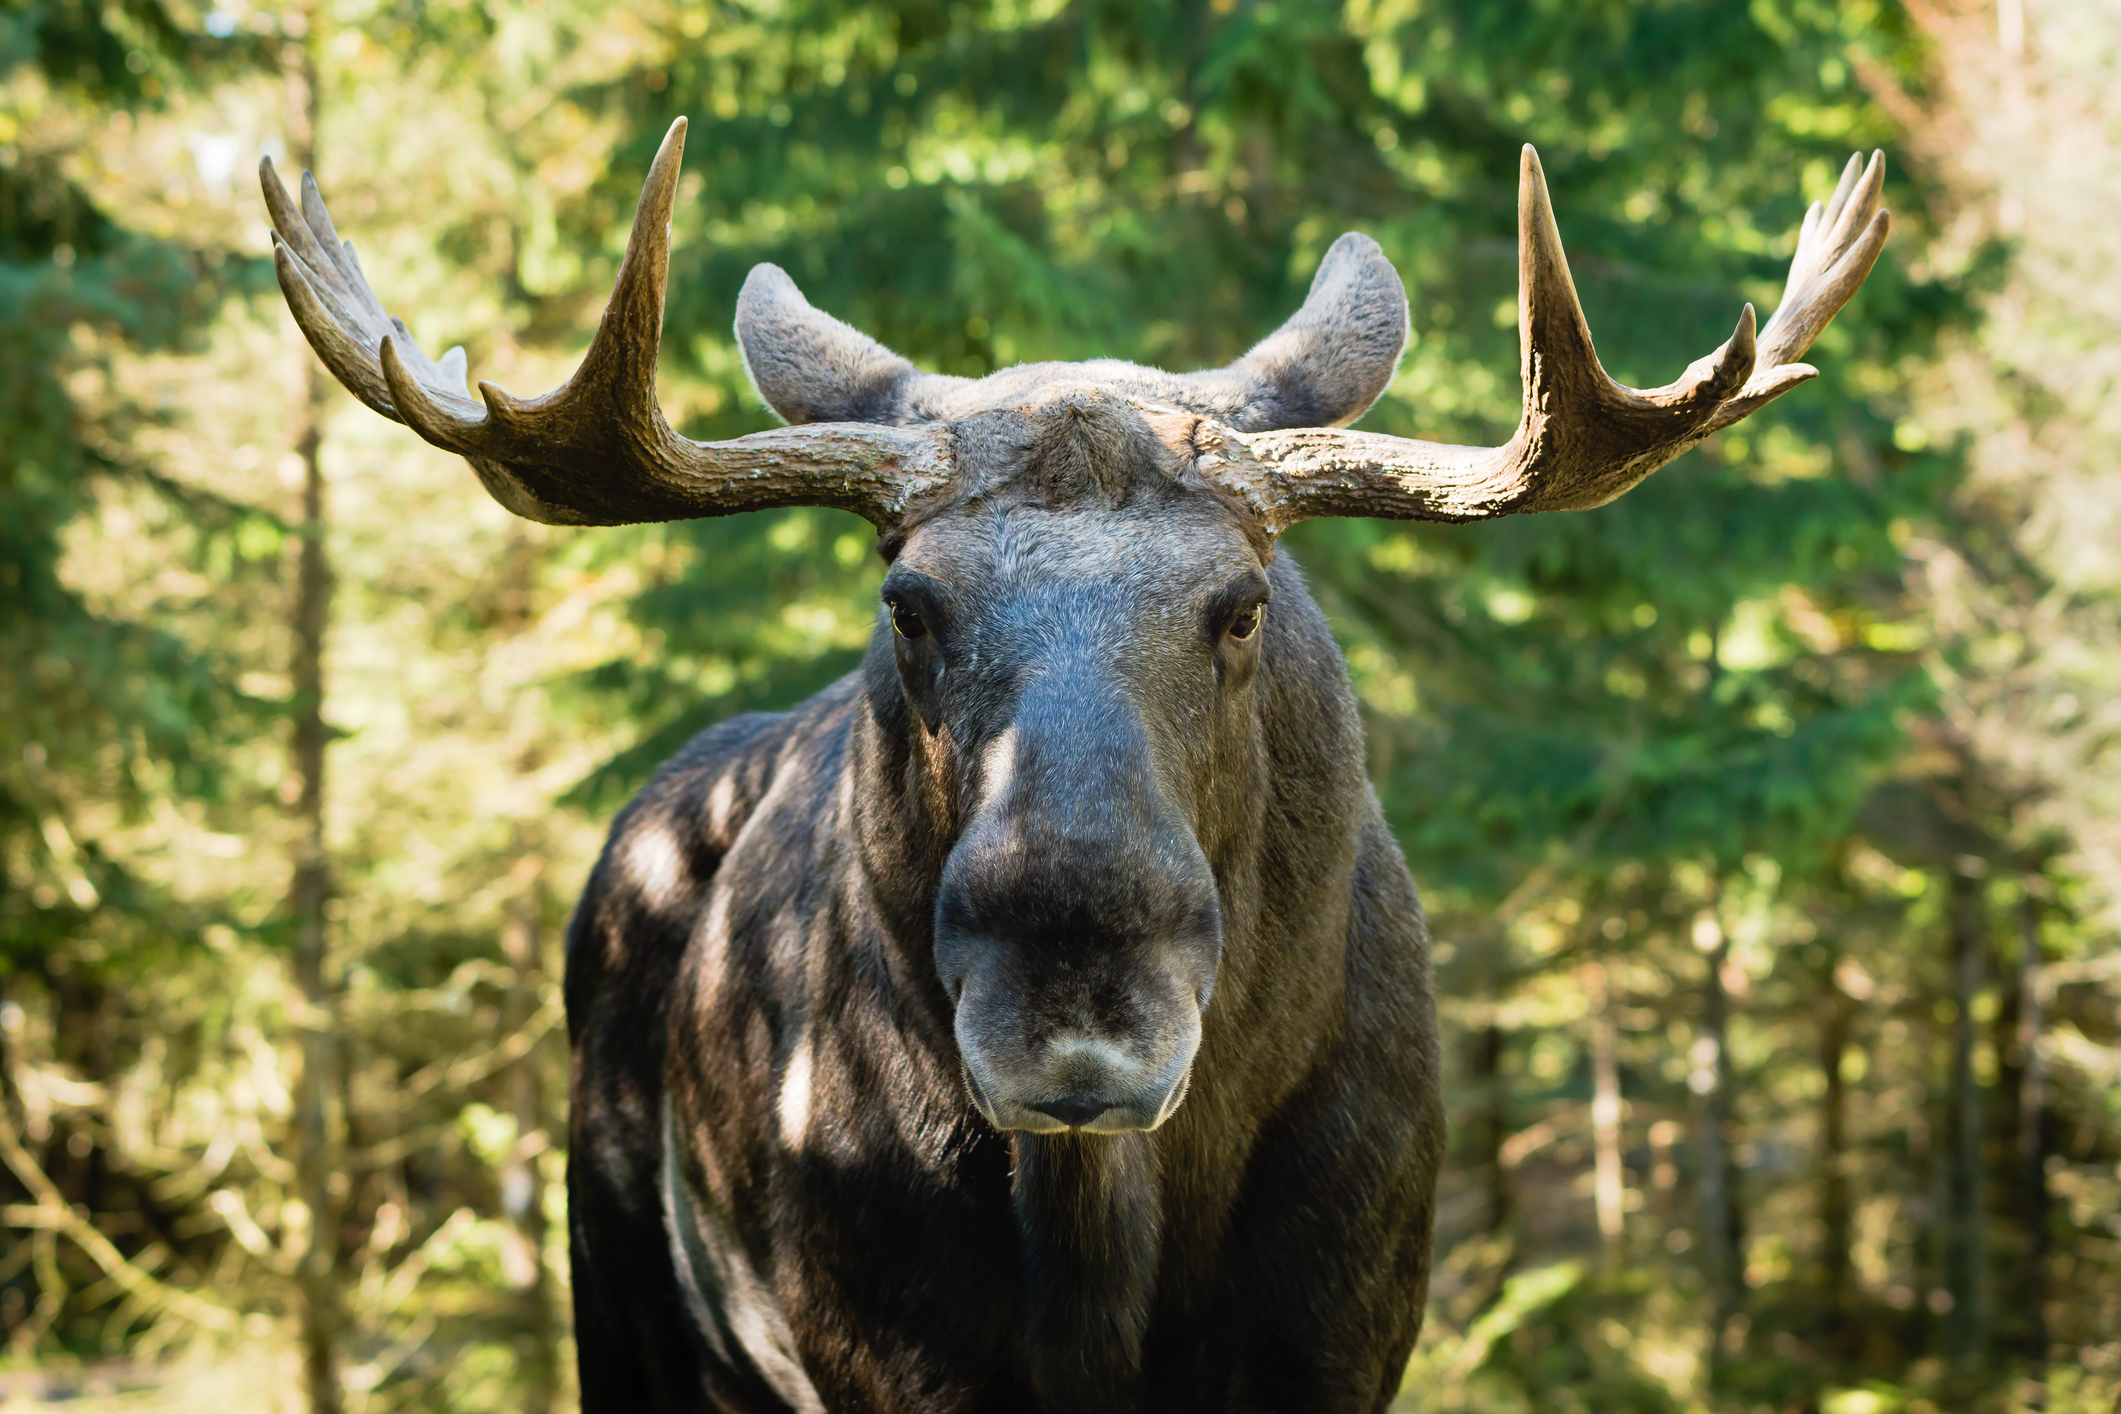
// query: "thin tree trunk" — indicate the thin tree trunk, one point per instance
point(1835, 1208)
point(317, 1251)
point(1710, 1081)
point(2032, 1146)
point(522, 1182)
point(1486, 1044)
point(1929, 1143)
point(1966, 1271)
point(317, 1277)
point(1607, 1187)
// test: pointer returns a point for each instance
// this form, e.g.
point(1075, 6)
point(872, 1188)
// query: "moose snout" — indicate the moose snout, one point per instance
point(1078, 1006)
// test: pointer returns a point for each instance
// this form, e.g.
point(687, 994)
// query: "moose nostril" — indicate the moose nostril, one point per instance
point(1073, 1109)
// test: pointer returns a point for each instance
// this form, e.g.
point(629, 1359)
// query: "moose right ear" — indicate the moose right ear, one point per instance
point(808, 366)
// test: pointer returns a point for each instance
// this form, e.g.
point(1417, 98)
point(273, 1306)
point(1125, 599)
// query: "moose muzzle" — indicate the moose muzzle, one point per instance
point(1078, 929)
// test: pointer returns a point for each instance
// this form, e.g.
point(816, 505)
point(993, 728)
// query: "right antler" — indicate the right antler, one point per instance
point(1583, 438)
point(597, 451)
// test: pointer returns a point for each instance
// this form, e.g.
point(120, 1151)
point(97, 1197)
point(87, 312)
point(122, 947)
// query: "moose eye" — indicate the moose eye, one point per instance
point(905, 622)
point(1247, 622)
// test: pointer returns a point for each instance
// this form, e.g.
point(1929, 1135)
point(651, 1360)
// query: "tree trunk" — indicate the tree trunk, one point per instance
point(1491, 1128)
point(1834, 1201)
point(1966, 1263)
point(2032, 1146)
point(317, 1250)
point(1608, 1188)
point(522, 1183)
point(1711, 1082)
point(317, 1275)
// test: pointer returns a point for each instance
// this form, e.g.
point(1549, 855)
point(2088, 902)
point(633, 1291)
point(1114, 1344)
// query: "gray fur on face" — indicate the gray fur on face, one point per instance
point(1323, 368)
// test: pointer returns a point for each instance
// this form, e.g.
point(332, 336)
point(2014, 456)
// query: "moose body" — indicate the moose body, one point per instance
point(782, 1197)
point(1040, 1018)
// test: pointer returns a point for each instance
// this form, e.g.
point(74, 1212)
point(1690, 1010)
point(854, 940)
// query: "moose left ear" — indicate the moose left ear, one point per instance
point(1335, 355)
point(808, 366)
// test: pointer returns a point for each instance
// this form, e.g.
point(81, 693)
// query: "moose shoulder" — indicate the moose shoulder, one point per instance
point(1040, 1018)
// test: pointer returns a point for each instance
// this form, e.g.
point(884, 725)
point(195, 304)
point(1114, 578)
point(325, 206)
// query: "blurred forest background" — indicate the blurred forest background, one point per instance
point(1770, 819)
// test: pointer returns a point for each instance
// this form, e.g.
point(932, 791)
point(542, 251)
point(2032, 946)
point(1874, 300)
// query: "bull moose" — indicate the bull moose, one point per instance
point(1039, 1018)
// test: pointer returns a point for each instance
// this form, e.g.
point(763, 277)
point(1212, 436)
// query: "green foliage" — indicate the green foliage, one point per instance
point(1708, 743)
point(92, 704)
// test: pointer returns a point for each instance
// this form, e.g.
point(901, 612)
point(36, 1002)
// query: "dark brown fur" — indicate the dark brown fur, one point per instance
point(782, 1194)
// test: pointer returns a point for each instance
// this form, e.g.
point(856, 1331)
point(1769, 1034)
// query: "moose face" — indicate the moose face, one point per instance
point(1077, 644)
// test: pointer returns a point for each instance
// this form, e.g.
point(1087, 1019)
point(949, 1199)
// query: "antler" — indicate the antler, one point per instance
point(1583, 439)
point(597, 451)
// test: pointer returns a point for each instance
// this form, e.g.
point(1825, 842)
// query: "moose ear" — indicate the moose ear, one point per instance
point(808, 366)
point(1335, 355)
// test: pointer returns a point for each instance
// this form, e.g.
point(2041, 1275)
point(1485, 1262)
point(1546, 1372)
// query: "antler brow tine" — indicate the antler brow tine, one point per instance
point(597, 450)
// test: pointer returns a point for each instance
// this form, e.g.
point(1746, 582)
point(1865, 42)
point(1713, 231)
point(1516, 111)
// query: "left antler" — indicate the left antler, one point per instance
point(596, 451)
point(1583, 438)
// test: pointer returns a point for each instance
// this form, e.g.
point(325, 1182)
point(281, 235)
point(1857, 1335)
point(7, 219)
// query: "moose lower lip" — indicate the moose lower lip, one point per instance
point(1120, 1119)
point(1175, 1096)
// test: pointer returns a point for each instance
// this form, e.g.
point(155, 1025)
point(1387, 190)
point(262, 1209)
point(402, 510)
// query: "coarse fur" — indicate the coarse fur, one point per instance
point(1039, 1018)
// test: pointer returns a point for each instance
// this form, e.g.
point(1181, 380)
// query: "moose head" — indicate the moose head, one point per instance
point(1081, 565)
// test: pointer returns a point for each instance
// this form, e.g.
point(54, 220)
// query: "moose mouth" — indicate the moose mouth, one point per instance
point(1078, 1081)
point(1080, 1112)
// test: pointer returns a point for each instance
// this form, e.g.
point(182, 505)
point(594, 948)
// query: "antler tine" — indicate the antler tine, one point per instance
point(1555, 348)
point(1835, 252)
point(1806, 263)
point(597, 450)
point(340, 327)
point(344, 322)
point(616, 378)
point(1834, 255)
point(1583, 439)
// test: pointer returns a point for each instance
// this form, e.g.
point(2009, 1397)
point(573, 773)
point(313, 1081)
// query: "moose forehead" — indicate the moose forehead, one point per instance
point(985, 553)
point(1080, 485)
